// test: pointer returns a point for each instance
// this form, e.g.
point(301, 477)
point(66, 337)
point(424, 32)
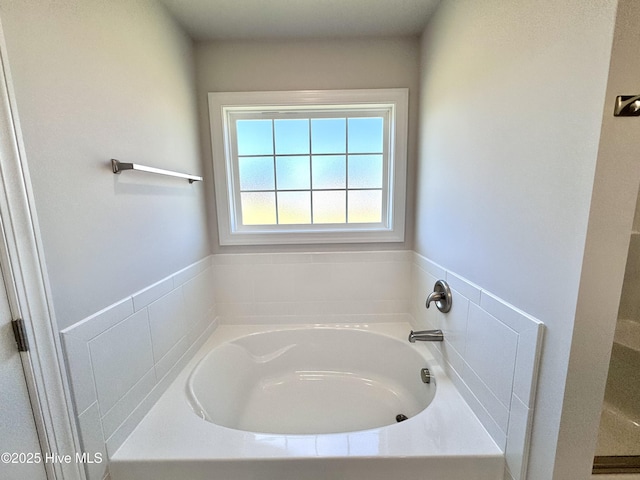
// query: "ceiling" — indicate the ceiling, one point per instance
point(264, 19)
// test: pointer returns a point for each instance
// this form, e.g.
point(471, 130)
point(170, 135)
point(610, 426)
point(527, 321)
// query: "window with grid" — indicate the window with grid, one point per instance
point(307, 167)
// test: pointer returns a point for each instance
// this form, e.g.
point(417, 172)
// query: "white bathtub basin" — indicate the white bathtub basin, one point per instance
point(233, 432)
point(309, 381)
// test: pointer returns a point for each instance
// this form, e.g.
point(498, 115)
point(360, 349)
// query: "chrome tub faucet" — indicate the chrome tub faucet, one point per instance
point(441, 295)
point(426, 336)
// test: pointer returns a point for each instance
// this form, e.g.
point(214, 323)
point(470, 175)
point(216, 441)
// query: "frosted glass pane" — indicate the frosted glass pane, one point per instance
point(329, 171)
point(329, 135)
point(292, 173)
point(329, 207)
point(256, 173)
point(365, 206)
point(258, 208)
point(294, 207)
point(365, 171)
point(292, 136)
point(365, 135)
point(254, 137)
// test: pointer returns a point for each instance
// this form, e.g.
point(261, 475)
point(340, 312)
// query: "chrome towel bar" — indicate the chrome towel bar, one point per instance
point(118, 167)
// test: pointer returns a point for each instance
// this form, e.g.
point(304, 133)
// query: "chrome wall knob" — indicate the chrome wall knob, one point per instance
point(441, 295)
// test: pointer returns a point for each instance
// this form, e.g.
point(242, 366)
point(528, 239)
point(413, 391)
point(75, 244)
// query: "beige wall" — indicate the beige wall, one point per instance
point(512, 97)
point(93, 81)
point(308, 65)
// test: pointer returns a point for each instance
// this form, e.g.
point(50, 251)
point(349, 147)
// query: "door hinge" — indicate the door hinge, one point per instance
point(20, 334)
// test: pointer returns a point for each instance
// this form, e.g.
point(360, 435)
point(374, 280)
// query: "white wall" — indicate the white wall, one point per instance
point(308, 65)
point(512, 97)
point(613, 201)
point(93, 81)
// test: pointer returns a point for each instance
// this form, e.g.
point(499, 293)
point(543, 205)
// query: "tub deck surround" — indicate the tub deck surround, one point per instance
point(491, 352)
point(445, 439)
point(121, 359)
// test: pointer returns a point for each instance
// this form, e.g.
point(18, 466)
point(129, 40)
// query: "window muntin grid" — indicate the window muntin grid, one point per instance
point(327, 192)
point(313, 167)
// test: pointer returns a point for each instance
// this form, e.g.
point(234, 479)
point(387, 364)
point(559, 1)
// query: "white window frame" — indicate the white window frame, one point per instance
point(224, 107)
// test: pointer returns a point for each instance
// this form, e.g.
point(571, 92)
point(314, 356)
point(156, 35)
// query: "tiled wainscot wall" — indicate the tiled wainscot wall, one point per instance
point(491, 352)
point(121, 359)
point(313, 287)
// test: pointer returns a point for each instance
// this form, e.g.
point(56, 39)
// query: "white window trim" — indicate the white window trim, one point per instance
point(224, 104)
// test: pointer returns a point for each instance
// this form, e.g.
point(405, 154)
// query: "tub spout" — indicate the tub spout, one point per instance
point(426, 336)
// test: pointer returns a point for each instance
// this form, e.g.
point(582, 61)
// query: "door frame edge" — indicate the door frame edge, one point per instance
point(29, 292)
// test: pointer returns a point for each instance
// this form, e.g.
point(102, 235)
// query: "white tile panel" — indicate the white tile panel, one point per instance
point(92, 440)
point(231, 312)
point(120, 357)
point(191, 271)
point(497, 434)
point(200, 297)
point(313, 282)
point(97, 323)
point(277, 258)
point(508, 314)
point(362, 257)
point(273, 308)
point(325, 283)
point(80, 372)
point(233, 283)
point(203, 326)
point(430, 267)
point(490, 351)
point(107, 352)
point(468, 289)
point(451, 356)
point(353, 281)
point(517, 439)
point(454, 323)
point(384, 280)
point(424, 282)
point(112, 419)
point(171, 358)
point(152, 293)
point(498, 411)
point(527, 361)
point(497, 368)
point(396, 284)
point(242, 259)
point(125, 429)
point(167, 321)
point(273, 282)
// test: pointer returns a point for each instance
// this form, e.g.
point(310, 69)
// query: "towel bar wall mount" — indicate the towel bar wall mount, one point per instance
point(118, 166)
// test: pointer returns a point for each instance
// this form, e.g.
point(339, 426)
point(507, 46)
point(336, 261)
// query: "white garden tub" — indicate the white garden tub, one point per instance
point(310, 381)
point(309, 403)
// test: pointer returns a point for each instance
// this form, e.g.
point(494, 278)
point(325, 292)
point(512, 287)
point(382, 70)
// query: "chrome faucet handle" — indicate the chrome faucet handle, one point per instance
point(441, 295)
point(434, 297)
